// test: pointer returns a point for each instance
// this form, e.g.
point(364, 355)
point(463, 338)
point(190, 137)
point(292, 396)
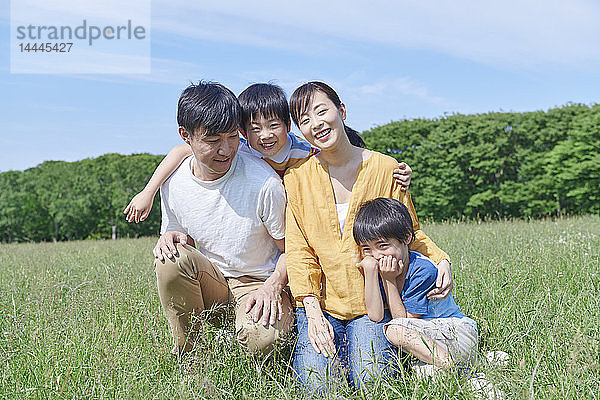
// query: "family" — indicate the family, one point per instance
point(332, 254)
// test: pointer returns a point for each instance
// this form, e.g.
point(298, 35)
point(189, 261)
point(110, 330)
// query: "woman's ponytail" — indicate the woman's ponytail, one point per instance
point(354, 137)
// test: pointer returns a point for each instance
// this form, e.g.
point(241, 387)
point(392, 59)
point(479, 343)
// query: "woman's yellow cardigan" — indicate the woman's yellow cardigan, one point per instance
point(320, 260)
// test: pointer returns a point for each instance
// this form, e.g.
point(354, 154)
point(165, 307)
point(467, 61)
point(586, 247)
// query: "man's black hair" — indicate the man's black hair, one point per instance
point(209, 106)
point(382, 218)
point(266, 100)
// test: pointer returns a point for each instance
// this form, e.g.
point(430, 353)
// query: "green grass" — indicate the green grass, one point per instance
point(83, 320)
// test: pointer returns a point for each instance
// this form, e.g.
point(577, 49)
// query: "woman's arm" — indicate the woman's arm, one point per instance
point(139, 207)
point(304, 274)
point(424, 245)
point(303, 268)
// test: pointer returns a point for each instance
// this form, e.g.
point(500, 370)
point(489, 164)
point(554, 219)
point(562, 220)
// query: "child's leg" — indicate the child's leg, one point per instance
point(441, 341)
point(419, 345)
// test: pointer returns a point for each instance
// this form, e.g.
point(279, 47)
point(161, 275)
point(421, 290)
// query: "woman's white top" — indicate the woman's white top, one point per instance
point(342, 212)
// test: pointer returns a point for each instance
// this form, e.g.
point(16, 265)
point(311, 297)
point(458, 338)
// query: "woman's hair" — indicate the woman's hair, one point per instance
point(382, 218)
point(302, 97)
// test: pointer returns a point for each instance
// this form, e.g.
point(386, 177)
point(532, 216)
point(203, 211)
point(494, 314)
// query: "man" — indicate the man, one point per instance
point(230, 207)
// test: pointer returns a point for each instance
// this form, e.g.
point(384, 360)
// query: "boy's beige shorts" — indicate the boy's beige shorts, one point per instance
point(190, 283)
point(458, 336)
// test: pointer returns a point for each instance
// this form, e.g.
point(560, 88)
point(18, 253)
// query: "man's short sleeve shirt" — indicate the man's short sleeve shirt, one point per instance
point(233, 219)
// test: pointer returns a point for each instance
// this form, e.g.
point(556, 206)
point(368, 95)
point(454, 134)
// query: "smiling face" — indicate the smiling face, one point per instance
point(322, 123)
point(267, 135)
point(213, 153)
point(381, 247)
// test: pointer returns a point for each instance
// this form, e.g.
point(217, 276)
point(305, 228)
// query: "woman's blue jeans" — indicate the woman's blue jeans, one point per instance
point(363, 353)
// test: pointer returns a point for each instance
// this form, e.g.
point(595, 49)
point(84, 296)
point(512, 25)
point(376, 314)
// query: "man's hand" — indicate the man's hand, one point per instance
point(390, 268)
point(165, 246)
point(368, 264)
point(444, 282)
point(265, 304)
point(402, 175)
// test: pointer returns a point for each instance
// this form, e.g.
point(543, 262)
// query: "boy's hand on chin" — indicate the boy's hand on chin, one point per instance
point(390, 267)
point(368, 264)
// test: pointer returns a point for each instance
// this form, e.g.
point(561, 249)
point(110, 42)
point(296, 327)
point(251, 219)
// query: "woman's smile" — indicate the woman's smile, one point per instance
point(323, 135)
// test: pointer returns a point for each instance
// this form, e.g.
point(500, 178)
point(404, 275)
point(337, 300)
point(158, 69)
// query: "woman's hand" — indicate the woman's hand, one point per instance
point(444, 282)
point(390, 268)
point(139, 207)
point(320, 331)
point(402, 175)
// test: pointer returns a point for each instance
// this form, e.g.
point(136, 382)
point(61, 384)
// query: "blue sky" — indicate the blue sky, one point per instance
point(387, 60)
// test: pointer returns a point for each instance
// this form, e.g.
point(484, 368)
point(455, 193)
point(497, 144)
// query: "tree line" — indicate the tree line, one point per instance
point(59, 200)
point(501, 164)
point(494, 165)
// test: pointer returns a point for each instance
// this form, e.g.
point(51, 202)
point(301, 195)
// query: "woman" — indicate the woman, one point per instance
point(324, 194)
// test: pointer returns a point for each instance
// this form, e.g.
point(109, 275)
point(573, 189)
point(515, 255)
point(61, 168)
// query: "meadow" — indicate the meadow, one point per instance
point(82, 319)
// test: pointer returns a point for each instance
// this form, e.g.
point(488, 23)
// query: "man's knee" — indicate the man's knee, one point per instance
point(170, 270)
point(262, 339)
point(255, 339)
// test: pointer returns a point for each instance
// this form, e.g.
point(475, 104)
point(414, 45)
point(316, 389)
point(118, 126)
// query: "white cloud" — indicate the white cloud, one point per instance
point(189, 21)
point(172, 72)
point(404, 86)
point(513, 33)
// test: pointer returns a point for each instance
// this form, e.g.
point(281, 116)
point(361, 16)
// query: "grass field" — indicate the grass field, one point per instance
point(83, 320)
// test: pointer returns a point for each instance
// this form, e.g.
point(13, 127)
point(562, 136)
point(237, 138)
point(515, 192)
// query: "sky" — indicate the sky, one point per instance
point(387, 60)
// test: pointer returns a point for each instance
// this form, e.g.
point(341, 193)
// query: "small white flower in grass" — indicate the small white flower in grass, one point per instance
point(484, 389)
point(224, 336)
point(423, 371)
point(497, 358)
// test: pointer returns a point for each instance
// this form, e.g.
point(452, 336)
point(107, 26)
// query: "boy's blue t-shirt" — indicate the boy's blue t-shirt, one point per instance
point(420, 279)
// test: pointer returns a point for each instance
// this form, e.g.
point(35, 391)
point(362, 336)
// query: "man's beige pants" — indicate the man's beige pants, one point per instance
point(191, 283)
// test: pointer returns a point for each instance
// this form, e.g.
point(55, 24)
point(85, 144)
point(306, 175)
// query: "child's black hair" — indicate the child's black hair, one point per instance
point(264, 99)
point(382, 218)
point(209, 106)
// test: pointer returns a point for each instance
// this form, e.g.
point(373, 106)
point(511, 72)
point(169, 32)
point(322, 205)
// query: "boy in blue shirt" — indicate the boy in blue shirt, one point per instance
point(434, 331)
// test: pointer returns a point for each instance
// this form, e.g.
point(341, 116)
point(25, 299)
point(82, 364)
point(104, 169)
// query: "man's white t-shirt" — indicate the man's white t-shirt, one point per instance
point(233, 219)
